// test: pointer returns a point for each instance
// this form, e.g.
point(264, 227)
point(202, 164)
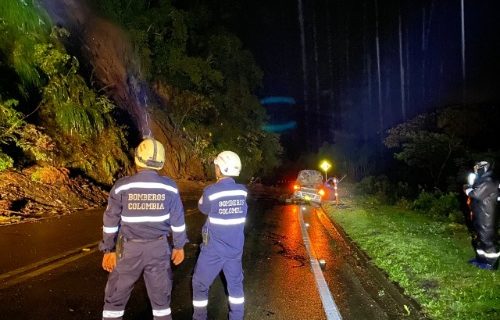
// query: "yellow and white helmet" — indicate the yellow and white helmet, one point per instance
point(229, 163)
point(150, 154)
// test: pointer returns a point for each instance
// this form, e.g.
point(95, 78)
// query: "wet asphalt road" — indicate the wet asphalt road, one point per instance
point(279, 283)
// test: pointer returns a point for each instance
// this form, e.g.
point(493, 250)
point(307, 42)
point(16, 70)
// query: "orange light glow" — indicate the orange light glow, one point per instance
point(296, 187)
point(321, 192)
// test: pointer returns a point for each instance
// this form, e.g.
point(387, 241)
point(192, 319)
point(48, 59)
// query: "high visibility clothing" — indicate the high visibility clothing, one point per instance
point(150, 259)
point(145, 208)
point(483, 194)
point(225, 205)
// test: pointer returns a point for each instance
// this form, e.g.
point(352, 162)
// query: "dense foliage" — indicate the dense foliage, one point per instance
point(434, 152)
point(438, 148)
point(48, 113)
point(205, 76)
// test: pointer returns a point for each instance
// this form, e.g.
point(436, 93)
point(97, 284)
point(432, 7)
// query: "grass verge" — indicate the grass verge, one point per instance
point(427, 258)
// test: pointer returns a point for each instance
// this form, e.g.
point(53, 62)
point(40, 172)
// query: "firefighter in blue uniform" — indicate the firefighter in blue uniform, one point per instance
point(482, 191)
point(225, 205)
point(144, 208)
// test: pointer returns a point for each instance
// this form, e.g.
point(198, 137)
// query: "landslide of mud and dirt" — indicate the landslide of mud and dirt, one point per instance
point(39, 192)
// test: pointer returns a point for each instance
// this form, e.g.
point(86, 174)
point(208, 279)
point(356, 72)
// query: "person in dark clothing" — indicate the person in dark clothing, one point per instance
point(225, 205)
point(483, 194)
point(145, 209)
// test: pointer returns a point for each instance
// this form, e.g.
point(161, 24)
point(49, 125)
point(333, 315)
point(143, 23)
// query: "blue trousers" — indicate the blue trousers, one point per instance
point(152, 260)
point(208, 266)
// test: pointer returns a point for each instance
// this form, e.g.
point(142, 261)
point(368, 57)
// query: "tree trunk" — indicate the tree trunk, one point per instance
point(304, 66)
point(408, 69)
point(331, 107)
point(318, 114)
point(367, 73)
point(379, 77)
point(462, 18)
point(401, 69)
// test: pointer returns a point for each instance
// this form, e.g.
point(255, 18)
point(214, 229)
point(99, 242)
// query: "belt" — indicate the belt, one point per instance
point(143, 240)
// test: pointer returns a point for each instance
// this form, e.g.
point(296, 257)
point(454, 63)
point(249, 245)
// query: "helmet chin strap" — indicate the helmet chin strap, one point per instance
point(152, 162)
point(218, 173)
point(154, 149)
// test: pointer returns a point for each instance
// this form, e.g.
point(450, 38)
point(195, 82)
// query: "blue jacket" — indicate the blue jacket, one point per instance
point(225, 205)
point(144, 206)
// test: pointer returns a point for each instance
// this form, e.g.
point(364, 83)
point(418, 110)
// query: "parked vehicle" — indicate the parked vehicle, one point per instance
point(308, 187)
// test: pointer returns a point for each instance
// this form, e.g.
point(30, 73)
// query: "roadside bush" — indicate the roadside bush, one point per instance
point(50, 175)
point(365, 186)
point(370, 185)
point(382, 188)
point(6, 162)
point(424, 202)
point(403, 203)
point(444, 204)
point(439, 205)
point(436, 204)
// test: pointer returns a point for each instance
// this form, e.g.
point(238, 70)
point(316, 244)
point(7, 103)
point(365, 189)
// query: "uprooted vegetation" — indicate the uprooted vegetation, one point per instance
point(76, 92)
point(43, 192)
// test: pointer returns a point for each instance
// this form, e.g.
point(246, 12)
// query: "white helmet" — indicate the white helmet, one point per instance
point(229, 163)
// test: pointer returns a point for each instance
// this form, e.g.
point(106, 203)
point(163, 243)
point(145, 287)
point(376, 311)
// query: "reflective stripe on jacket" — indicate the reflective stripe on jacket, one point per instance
point(144, 206)
point(225, 205)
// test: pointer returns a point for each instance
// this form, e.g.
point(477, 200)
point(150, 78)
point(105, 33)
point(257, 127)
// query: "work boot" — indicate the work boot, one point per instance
point(483, 265)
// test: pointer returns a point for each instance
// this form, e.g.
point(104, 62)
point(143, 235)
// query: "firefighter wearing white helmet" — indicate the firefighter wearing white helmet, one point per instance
point(145, 209)
point(482, 191)
point(229, 163)
point(225, 205)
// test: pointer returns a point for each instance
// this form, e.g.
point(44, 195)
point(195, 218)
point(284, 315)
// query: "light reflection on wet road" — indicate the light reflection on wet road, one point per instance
point(284, 283)
point(360, 290)
point(279, 283)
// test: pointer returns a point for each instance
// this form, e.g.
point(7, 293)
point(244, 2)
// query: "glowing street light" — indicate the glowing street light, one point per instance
point(325, 165)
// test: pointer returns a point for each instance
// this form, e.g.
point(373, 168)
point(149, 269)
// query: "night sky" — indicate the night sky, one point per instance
point(342, 86)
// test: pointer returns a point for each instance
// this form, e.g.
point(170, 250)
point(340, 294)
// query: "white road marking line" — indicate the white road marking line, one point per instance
point(331, 310)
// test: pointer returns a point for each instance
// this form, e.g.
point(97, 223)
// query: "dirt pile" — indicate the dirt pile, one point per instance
point(39, 192)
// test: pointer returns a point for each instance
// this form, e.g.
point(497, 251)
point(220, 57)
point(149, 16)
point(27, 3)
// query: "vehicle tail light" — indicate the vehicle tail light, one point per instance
point(321, 192)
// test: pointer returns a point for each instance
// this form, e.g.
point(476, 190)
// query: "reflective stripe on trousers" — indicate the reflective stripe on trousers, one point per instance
point(208, 266)
point(152, 260)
